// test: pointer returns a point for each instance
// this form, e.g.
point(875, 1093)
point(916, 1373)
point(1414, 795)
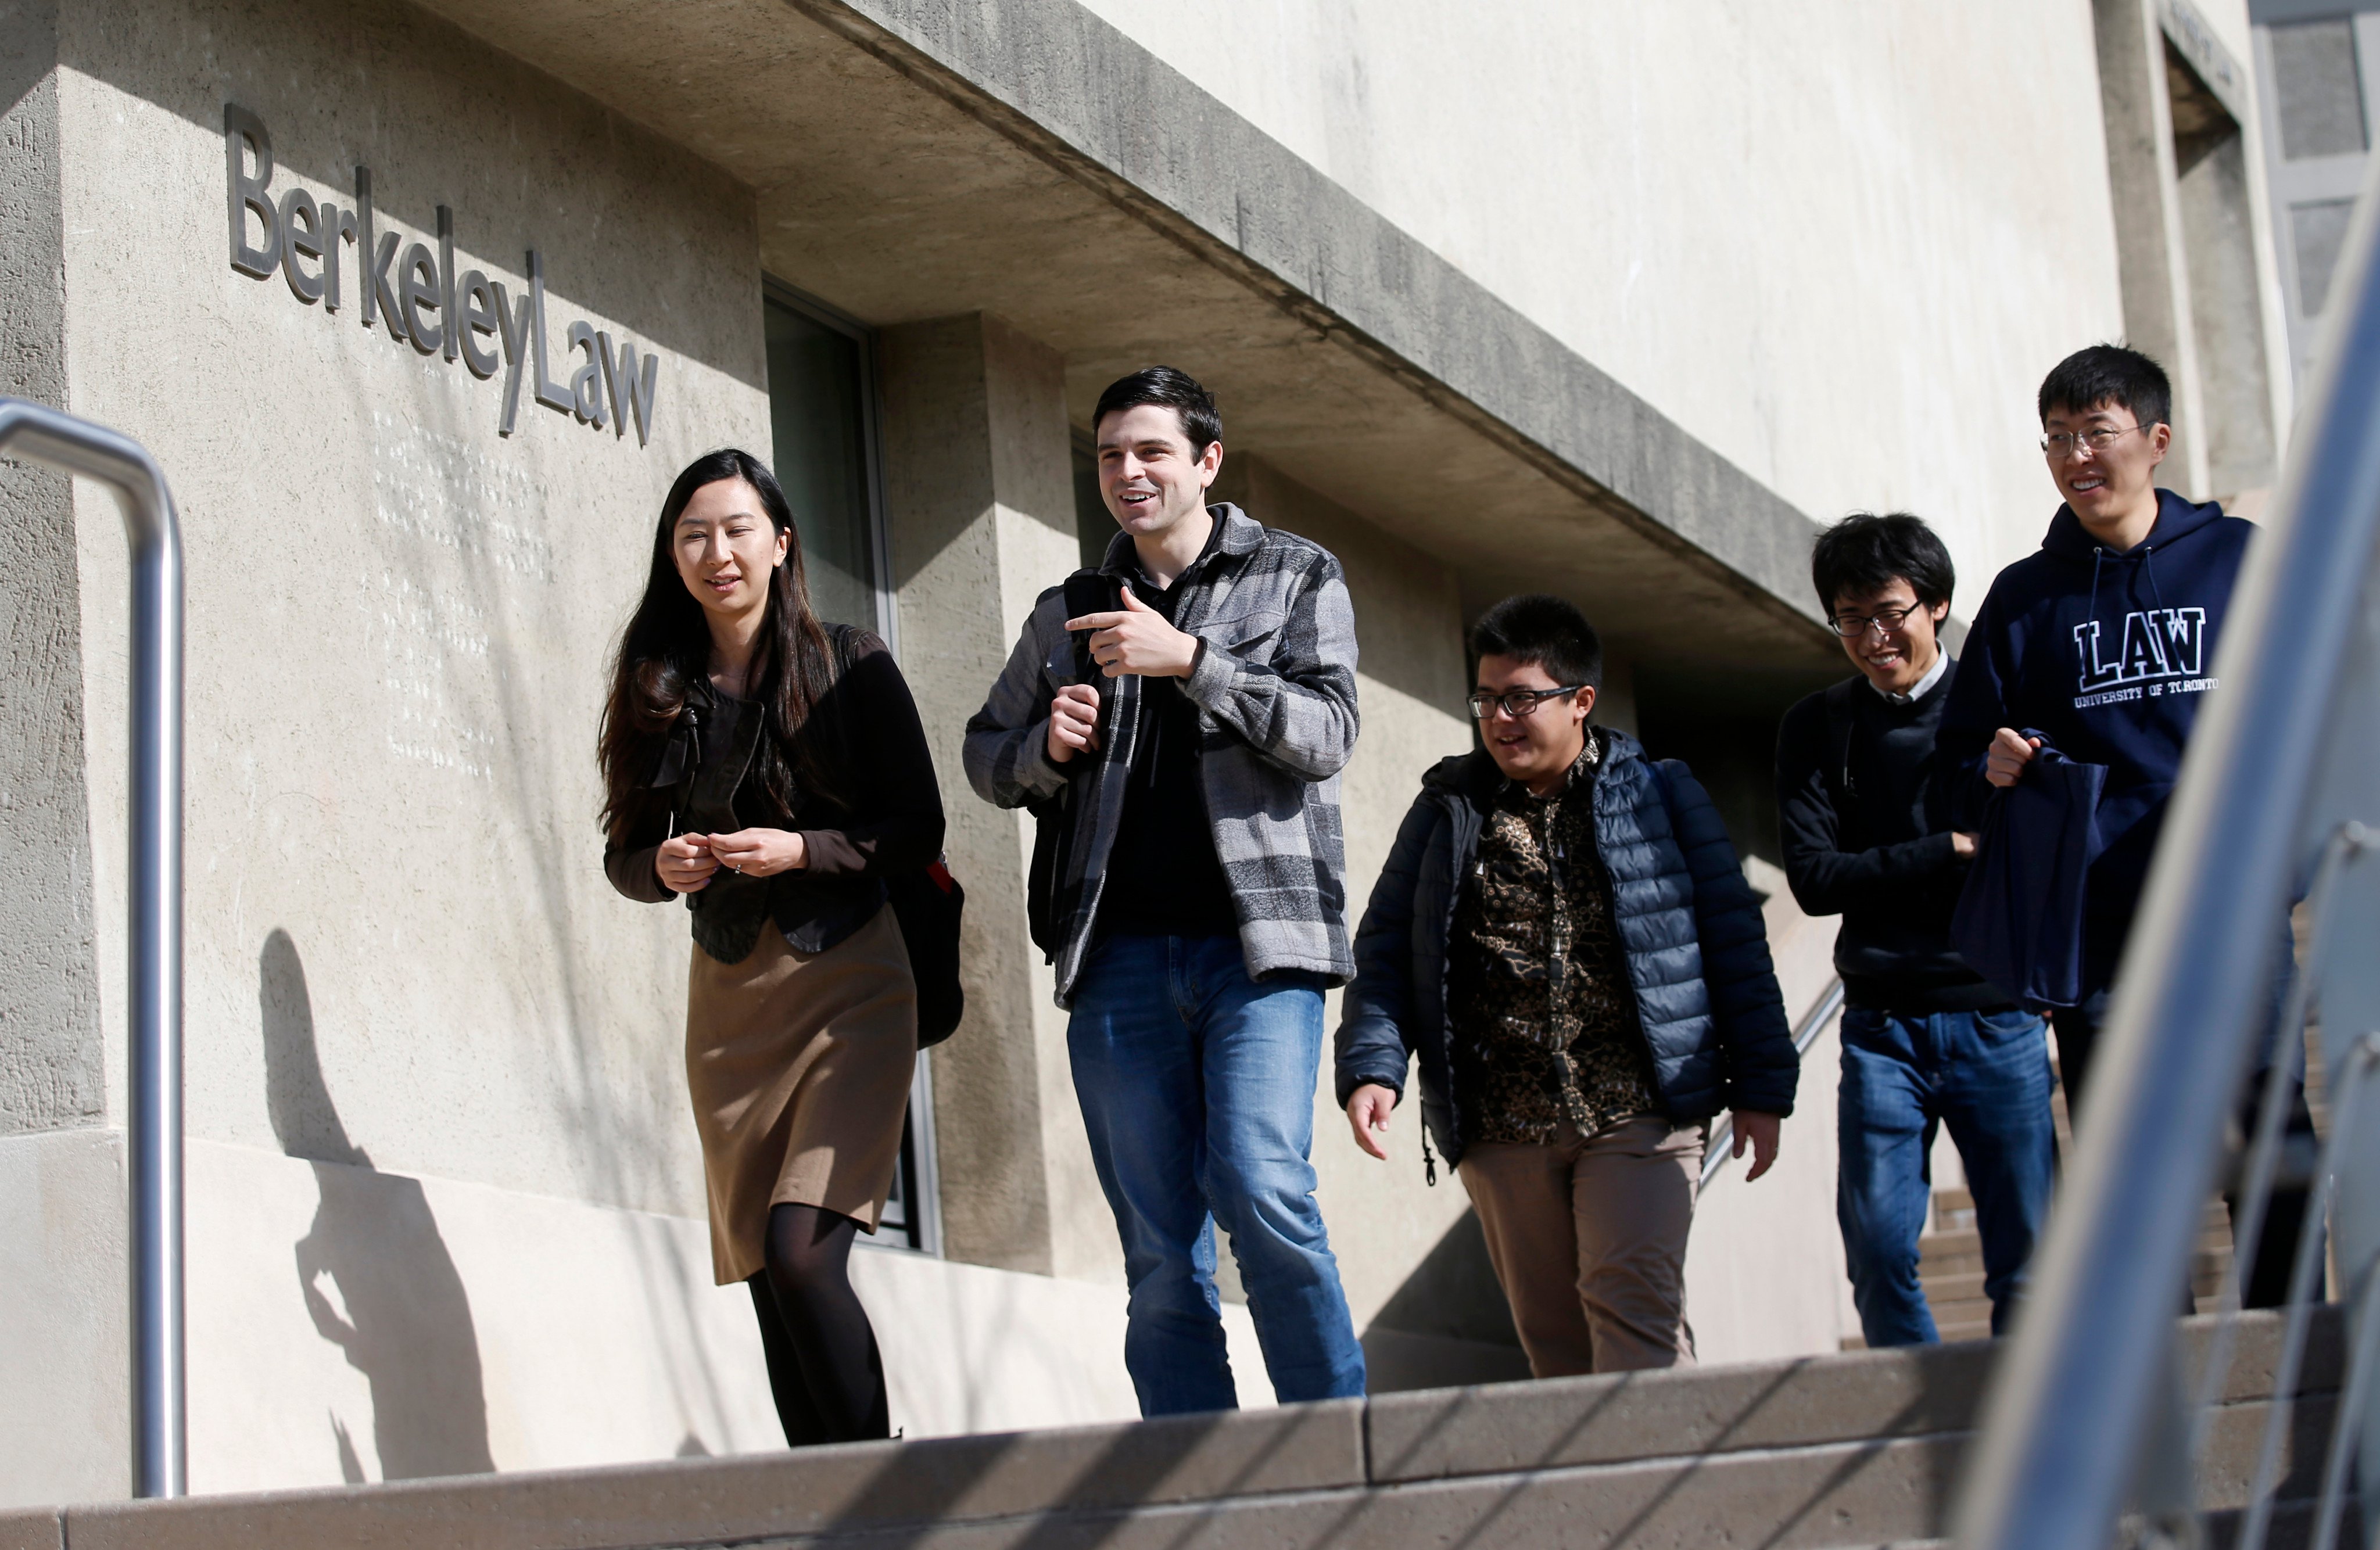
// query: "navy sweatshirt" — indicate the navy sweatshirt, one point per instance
point(2109, 657)
point(1867, 836)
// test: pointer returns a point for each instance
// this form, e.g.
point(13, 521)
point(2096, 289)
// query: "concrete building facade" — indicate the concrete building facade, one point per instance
point(422, 306)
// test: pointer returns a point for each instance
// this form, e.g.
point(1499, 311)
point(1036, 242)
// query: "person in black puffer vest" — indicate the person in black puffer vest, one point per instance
point(1565, 938)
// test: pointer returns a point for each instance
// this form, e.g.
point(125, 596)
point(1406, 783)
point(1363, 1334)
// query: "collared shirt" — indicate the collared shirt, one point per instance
point(1933, 676)
point(1542, 1008)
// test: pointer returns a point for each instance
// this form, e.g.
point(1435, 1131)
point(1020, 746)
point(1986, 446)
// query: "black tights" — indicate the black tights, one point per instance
point(823, 1366)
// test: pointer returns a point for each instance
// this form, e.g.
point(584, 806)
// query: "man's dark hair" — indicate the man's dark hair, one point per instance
point(1864, 553)
point(1175, 390)
point(1544, 632)
point(2108, 374)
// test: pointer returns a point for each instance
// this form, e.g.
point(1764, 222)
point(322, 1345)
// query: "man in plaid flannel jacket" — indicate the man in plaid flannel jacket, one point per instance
point(1197, 911)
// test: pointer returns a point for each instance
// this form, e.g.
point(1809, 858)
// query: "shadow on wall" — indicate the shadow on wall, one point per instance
point(1448, 1325)
point(401, 1315)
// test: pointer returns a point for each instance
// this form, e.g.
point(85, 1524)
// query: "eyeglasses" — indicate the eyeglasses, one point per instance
point(2061, 443)
point(1518, 703)
point(1850, 627)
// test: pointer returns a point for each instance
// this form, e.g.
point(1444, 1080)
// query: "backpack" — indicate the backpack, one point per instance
point(929, 903)
point(1053, 816)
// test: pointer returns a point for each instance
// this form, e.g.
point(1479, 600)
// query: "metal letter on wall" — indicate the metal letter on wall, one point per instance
point(418, 286)
point(244, 132)
point(423, 294)
point(301, 241)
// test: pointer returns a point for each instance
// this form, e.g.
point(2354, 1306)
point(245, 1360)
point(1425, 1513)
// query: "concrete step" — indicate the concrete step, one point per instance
point(1960, 1250)
point(1954, 1286)
point(1950, 1267)
point(1822, 1453)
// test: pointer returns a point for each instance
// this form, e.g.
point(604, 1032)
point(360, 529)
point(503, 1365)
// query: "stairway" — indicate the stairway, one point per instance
point(1950, 1255)
point(1950, 1266)
point(1852, 1450)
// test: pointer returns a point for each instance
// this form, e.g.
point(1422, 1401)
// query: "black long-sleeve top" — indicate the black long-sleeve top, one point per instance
point(1867, 834)
point(883, 811)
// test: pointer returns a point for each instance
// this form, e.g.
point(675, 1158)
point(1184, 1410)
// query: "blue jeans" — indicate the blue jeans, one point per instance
point(1986, 1076)
point(1197, 1087)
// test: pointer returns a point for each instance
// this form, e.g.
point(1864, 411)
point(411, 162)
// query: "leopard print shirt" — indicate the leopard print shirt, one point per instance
point(1544, 1015)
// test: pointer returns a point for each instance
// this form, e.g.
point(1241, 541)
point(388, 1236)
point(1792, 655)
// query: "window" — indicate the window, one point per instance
point(1095, 526)
point(822, 430)
point(2321, 101)
point(821, 424)
point(2316, 62)
point(2318, 230)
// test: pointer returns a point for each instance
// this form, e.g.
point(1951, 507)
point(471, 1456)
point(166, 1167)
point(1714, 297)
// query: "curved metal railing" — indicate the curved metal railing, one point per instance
point(35, 434)
point(1805, 1034)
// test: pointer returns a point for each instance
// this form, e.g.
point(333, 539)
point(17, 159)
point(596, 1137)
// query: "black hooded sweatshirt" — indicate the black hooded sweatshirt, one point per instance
point(2107, 657)
point(1866, 814)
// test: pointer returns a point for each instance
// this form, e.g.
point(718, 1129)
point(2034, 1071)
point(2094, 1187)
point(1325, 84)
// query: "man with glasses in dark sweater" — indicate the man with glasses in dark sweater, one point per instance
point(1926, 1041)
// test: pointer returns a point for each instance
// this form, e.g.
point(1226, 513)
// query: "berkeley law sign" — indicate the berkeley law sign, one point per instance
point(414, 294)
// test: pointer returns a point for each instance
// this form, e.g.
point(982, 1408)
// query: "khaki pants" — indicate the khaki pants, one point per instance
point(1588, 1238)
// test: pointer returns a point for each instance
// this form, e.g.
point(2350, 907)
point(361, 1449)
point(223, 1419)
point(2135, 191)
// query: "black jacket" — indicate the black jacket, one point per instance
point(884, 815)
point(1865, 805)
point(1697, 947)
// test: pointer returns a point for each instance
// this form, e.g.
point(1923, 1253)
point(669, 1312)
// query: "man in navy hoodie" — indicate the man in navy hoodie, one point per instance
point(2102, 646)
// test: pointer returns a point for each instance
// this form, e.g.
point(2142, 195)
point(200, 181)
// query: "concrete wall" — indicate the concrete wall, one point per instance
point(402, 957)
point(50, 1069)
point(980, 499)
point(1841, 244)
point(1764, 1273)
point(398, 618)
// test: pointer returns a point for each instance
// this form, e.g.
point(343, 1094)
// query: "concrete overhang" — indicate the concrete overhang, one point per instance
point(921, 158)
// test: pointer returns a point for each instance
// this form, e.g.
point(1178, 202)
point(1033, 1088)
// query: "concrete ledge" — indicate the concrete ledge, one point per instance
point(1811, 1498)
point(1861, 1395)
point(44, 1529)
point(2256, 1356)
point(1858, 1449)
point(832, 1490)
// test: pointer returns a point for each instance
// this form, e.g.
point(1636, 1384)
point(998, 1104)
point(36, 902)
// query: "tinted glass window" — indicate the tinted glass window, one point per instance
point(816, 410)
point(2320, 100)
point(1094, 525)
point(2317, 231)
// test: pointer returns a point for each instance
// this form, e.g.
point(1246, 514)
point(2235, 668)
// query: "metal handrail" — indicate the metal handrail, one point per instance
point(2070, 1415)
point(160, 1440)
point(1722, 1136)
point(2305, 1266)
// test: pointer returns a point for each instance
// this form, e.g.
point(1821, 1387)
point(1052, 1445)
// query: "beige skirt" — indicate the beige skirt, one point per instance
point(800, 1066)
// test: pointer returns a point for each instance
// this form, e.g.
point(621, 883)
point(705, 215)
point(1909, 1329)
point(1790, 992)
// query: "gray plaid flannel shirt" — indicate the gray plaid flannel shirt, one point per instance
point(1276, 695)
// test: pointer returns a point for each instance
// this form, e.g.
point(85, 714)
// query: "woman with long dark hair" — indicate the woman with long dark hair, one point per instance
point(770, 769)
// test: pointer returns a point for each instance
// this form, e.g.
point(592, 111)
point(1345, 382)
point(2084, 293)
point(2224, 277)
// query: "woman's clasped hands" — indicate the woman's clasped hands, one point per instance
point(687, 862)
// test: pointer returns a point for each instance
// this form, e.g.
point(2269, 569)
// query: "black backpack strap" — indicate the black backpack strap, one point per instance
point(1089, 591)
point(1839, 727)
